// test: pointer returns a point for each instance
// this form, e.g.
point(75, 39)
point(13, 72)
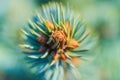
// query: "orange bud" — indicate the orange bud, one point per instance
point(73, 43)
point(63, 57)
point(57, 56)
point(50, 25)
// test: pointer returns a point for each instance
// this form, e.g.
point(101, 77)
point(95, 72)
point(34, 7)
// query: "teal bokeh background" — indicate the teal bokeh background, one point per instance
point(102, 15)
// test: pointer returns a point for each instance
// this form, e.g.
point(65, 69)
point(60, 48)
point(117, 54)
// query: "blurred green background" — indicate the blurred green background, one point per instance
point(102, 15)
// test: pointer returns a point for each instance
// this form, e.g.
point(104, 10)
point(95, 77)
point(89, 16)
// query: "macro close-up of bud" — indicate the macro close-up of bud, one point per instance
point(55, 41)
point(59, 40)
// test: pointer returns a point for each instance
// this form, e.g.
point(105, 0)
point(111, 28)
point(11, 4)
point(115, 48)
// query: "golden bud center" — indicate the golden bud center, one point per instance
point(59, 35)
